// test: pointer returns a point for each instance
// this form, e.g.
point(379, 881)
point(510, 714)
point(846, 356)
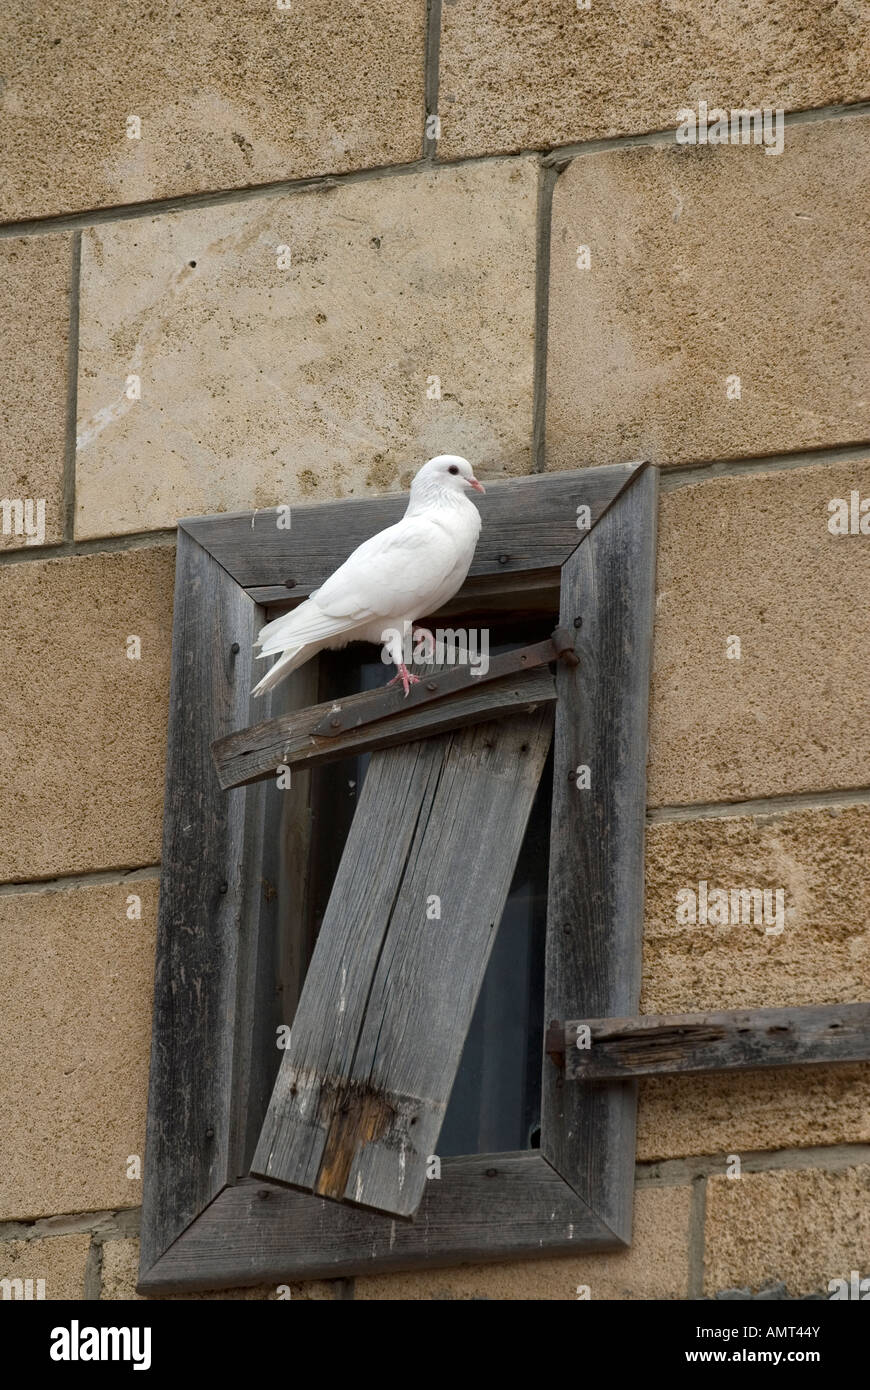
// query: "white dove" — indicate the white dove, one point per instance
point(390, 580)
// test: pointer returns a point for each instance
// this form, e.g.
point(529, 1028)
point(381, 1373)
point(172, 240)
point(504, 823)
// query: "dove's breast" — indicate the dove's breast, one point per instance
point(456, 544)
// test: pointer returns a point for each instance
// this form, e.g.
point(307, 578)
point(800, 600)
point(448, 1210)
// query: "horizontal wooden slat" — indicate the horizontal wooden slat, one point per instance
point(733, 1039)
point(254, 753)
point(528, 524)
point(483, 1207)
point(532, 591)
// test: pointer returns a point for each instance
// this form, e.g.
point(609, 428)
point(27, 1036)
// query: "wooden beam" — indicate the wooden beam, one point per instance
point(211, 914)
point(482, 1207)
point(440, 701)
point(595, 901)
point(253, 754)
point(392, 985)
point(532, 591)
point(529, 523)
point(730, 1040)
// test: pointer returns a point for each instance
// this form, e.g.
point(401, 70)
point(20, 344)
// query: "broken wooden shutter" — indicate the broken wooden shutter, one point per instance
point(205, 1223)
point(390, 992)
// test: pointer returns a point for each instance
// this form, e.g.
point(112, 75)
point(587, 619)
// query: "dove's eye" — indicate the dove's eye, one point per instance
point(453, 468)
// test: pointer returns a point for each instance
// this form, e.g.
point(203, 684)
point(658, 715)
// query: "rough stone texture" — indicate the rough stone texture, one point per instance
point(656, 1266)
point(262, 385)
point(228, 96)
point(534, 73)
point(784, 1108)
point(753, 557)
point(85, 727)
point(120, 1271)
point(59, 1260)
point(76, 991)
point(820, 858)
point(801, 1228)
point(708, 263)
point(34, 309)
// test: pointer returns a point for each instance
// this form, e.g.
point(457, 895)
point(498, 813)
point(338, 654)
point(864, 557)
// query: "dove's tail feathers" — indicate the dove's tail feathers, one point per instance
point(293, 657)
point(274, 626)
point(306, 625)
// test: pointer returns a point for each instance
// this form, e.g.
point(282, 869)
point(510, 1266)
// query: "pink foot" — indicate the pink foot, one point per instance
point(404, 675)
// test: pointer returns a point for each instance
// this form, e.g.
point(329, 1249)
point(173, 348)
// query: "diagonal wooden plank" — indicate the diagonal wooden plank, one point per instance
point(254, 753)
point(595, 901)
point(391, 988)
point(529, 523)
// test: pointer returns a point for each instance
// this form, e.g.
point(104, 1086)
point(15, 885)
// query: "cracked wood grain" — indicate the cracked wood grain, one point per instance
point(390, 993)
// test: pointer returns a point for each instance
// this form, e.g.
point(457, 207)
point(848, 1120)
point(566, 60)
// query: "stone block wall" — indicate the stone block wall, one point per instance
point(242, 263)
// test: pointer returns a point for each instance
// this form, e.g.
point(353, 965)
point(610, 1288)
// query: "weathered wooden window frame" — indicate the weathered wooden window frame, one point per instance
point(206, 1224)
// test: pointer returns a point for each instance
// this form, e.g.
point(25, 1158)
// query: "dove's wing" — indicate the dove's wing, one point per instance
point(393, 573)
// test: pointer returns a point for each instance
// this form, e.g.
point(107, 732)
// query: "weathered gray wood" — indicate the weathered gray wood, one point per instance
point(239, 1237)
point(731, 1039)
point(595, 903)
point(391, 988)
point(532, 591)
point(257, 1003)
point(211, 908)
point(253, 754)
point(529, 523)
point(483, 1207)
point(269, 980)
point(296, 836)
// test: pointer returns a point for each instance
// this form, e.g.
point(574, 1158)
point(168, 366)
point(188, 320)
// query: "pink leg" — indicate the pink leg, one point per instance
point(404, 675)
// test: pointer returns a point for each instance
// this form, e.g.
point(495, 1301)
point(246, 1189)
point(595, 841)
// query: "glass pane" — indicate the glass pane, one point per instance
point(495, 1105)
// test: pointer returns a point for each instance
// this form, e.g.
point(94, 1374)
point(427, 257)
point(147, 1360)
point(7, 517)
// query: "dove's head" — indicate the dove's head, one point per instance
point(446, 473)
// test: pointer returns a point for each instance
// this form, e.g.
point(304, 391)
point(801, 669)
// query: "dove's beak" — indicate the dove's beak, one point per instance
point(478, 487)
